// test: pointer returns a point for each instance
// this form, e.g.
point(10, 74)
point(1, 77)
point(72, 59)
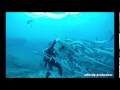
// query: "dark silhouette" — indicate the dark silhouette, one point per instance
point(50, 61)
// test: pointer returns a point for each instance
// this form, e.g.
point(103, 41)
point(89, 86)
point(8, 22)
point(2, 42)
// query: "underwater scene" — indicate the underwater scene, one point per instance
point(59, 44)
point(119, 44)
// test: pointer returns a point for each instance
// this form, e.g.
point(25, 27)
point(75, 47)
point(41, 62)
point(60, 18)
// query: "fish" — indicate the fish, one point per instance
point(29, 21)
point(104, 41)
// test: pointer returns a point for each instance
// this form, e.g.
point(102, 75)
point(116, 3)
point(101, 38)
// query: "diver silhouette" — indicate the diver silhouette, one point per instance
point(50, 52)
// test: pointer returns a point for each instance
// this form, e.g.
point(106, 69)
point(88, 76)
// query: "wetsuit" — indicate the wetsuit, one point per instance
point(52, 62)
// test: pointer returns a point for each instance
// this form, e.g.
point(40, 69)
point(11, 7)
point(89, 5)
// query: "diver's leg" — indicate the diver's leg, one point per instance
point(50, 66)
point(47, 74)
point(59, 68)
point(46, 61)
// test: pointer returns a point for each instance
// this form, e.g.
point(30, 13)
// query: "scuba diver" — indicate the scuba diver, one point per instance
point(50, 52)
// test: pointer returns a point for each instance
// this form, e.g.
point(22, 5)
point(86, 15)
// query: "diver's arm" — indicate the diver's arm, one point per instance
point(54, 42)
point(51, 47)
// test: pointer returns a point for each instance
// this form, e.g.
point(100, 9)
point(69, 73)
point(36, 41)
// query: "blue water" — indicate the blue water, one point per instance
point(22, 38)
